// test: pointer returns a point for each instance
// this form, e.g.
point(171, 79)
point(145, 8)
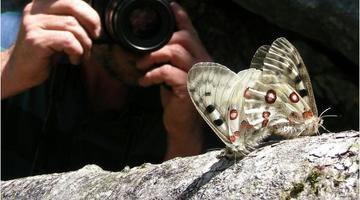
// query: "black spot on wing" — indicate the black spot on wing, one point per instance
point(207, 93)
point(297, 79)
point(197, 103)
point(210, 108)
point(289, 69)
point(218, 122)
point(303, 92)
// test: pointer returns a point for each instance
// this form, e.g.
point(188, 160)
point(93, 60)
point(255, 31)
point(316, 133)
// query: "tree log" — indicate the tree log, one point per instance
point(317, 167)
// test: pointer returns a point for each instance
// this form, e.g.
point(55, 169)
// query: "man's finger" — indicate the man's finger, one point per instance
point(67, 23)
point(62, 41)
point(82, 11)
point(182, 19)
point(173, 54)
point(167, 74)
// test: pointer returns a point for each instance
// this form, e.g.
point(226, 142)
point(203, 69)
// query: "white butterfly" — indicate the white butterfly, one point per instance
point(272, 98)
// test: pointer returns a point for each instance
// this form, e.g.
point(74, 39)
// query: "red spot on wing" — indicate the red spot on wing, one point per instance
point(247, 93)
point(294, 97)
point(245, 125)
point(233, 114)
point(266, 114)
point(290, 120)
point(270, 96)
point(232, 138)
point(308, 114)
point(237, 133)
point(265, 122)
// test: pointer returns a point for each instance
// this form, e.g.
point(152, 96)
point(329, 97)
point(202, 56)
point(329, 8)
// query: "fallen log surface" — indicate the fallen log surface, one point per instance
point(317, 167)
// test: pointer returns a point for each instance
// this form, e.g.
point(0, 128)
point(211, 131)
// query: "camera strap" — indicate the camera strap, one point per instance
point(55, 91)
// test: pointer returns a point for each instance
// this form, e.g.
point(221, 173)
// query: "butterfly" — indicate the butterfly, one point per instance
point(274, 97)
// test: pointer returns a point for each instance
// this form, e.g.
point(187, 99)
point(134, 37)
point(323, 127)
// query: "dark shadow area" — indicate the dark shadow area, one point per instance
point(217, 168)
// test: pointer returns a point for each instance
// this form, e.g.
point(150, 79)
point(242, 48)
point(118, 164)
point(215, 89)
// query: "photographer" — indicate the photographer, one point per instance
point(108, 106)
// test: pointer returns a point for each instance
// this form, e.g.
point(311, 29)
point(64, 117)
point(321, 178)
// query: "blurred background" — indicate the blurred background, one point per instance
point(325, 32)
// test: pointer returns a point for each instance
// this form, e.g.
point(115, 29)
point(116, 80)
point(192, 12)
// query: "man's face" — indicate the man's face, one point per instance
point(119, 64)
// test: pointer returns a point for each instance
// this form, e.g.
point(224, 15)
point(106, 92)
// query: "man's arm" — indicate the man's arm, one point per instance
point(182, 122)
point(48, 28)
point(10, 85)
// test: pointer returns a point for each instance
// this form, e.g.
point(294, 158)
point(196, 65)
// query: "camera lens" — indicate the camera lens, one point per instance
point(140, 25)
point(144, 22)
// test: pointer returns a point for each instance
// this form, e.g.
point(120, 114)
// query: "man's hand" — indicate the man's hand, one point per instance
point(48, 27)
point(181, 119)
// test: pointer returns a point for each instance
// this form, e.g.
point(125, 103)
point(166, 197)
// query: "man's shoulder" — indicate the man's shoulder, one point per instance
point(10, 23)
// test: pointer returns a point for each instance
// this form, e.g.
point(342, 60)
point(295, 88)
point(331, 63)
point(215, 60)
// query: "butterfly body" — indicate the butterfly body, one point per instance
point(302, 128)
point(273, 97)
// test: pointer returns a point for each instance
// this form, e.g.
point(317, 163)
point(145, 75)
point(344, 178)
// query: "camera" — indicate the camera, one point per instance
point(140, 26)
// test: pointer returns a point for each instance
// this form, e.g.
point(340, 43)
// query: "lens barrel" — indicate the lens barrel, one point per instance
point(140, 26)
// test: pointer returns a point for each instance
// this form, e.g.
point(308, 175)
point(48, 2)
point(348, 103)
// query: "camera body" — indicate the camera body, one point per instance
point(140, 26)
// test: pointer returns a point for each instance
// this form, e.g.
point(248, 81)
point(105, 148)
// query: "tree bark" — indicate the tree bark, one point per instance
point(317, 167)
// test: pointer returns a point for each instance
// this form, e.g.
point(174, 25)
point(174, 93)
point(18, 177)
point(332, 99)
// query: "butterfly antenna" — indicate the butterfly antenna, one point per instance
point(324, 116)
point(324, 111)
point(324, 128)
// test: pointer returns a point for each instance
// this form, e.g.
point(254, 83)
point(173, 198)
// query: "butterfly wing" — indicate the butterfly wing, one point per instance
point(240, 129)
point(283, 92)
point(217, 93)
point(283, 64)
point(273, 96)
point(209, 86)
point(257, 61)
point(268, 105)
point(253, 137)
